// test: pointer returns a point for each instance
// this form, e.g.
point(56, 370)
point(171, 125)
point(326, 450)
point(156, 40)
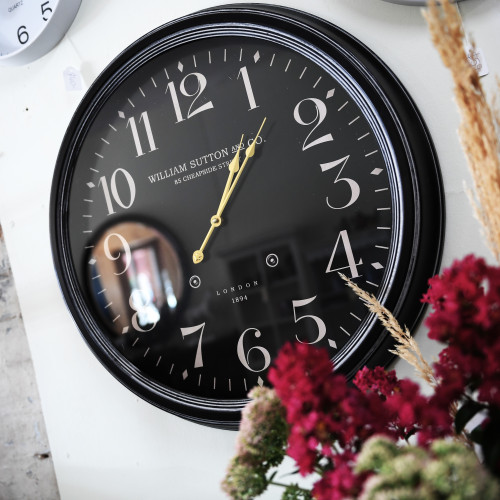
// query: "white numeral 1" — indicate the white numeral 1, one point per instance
point(352, 266)
point(248, 87)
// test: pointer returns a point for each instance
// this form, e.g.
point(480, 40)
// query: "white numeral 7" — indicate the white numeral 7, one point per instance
point(198, 362)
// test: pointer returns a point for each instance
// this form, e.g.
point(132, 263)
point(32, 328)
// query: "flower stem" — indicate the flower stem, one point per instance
point(283, 485)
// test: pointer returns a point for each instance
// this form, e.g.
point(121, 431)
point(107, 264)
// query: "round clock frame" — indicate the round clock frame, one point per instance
point(416, 218)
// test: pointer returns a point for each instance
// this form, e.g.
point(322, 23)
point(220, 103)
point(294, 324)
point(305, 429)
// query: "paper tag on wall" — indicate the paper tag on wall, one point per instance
point(72, 79)
point(477, 60)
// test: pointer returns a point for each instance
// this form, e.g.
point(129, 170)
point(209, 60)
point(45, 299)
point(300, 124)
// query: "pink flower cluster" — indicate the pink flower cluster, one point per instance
point(330, 420)
point(466, 317)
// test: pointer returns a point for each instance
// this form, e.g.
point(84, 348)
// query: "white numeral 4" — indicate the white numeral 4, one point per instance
point(351, 262)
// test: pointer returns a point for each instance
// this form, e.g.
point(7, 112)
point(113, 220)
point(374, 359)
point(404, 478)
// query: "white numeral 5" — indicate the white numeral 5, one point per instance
point(319, 322)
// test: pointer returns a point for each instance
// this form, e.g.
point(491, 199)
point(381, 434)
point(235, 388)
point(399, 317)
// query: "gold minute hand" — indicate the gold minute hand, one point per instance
point(215, 221)
point(250, 151)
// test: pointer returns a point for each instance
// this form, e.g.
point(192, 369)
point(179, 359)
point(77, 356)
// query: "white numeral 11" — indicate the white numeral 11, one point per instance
point(135, 134)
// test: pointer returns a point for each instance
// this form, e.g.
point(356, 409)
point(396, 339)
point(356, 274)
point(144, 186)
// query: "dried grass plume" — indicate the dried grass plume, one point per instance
point(480, 123)
point(406, 347)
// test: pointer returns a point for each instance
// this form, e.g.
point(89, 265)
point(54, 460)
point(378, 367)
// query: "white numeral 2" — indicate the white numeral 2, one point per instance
point(317, 120)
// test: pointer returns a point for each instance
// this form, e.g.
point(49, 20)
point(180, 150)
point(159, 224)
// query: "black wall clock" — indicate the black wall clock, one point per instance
point(185, 276)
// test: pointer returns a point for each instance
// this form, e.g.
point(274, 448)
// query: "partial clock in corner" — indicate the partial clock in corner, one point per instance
point(212, 184)
point(29, 28)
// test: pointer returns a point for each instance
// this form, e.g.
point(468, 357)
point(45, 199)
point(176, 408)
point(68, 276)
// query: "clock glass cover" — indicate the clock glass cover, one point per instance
point(342, 179)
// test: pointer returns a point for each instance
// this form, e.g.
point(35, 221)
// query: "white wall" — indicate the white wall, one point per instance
point(106, 443)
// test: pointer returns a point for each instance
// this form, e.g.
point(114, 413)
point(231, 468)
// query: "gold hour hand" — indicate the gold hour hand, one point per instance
point(234, 168)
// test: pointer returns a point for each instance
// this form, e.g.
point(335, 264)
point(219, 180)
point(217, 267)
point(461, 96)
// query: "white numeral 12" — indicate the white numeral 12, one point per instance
point(201, 85)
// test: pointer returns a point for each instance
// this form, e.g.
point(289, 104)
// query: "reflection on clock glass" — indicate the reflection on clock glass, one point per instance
point(317, 198)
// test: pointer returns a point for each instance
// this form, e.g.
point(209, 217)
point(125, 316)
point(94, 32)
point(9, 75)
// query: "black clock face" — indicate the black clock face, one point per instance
point(189, 311)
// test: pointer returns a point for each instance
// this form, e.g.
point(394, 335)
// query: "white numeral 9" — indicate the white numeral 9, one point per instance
point(126, 249)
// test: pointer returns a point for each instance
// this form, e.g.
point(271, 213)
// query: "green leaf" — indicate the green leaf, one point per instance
point(468, 410)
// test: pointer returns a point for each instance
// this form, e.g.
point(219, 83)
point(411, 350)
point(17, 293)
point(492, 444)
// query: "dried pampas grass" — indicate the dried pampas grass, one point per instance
point(406, 347)
point(480, 123)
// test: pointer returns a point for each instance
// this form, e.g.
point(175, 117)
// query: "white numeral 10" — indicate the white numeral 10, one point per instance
point(111, 192)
